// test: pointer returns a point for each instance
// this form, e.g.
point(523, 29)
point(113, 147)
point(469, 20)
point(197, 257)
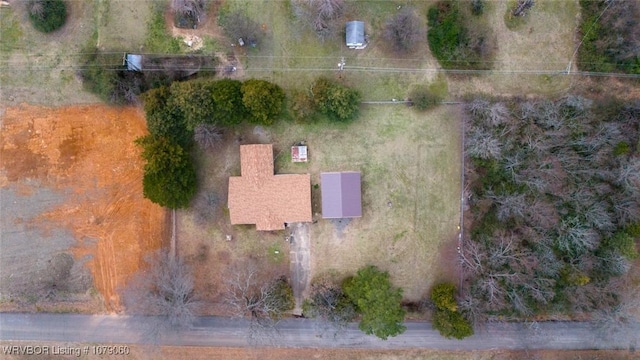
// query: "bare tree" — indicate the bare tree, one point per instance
point(263, 300)
point(328, 302)
point(618, 319)
point(321, 16)
point(164, 289)
point(473, 258)
point(510, 206)
point(483, 144)
point(404, 30)
point(548, 115)
point(629, 176)
point(37, 8)
point(626, 208)
point(498, 114)
point(479, 108)
point(189, 8)
point(207, 136)
point(576, 238)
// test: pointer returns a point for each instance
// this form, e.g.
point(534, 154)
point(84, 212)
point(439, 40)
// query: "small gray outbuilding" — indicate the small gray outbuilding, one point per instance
point(355, 35)
point(341, 195)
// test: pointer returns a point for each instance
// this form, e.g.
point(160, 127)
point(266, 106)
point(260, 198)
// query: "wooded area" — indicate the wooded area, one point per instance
point(554, 195)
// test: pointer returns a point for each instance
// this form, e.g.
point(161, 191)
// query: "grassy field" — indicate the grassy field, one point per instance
point(410, 172)
point(542, 41)
point(41, 68)
point(292, 55)
point(122, 24)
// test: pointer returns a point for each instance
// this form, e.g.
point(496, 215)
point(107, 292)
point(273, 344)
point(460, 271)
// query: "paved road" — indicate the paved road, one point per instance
point(218, 331)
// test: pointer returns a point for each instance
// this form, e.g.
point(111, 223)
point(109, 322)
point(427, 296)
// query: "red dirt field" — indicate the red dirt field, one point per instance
point(87, 154)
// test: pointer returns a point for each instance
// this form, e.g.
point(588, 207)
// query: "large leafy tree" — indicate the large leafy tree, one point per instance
point(194, 99)
point(378, 302)
point(229, 108)
point(164, 120)
point(169, 176)
point(263, 100)
point(338, 102)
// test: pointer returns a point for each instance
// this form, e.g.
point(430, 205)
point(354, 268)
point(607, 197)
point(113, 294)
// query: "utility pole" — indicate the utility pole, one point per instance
point(341, 64)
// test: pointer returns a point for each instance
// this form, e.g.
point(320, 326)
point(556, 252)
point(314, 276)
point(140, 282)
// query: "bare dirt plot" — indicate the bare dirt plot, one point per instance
point(545, 42)
point(74, 175)
point(41, 68)
point(411, 183)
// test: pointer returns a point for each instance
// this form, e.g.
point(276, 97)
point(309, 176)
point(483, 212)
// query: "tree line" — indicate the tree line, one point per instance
point(179, 113)
point(554, 196)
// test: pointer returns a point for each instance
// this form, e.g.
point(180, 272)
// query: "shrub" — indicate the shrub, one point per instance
point(477, 7)
point(446, 319)
point(302, 107)
point(624, 243)
point(452, 324)
point(423, 98)
point(47, 15)
point(329, 303)
point(443, 296)
point(279, 298)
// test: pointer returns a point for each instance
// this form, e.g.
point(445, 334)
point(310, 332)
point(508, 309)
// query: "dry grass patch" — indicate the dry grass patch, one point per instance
point(122, 24)
point(41, 67)
point(545, 41)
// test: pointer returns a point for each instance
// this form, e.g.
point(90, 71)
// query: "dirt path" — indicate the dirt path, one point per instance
point(300, 255)
point(86, 156)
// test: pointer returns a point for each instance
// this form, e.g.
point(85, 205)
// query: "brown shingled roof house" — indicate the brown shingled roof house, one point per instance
point(262, 198)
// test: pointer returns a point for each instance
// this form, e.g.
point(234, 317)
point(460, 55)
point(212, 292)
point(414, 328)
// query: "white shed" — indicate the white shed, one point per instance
point(355, 35)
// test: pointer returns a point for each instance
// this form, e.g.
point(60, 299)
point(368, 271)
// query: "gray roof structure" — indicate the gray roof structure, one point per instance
point(355, 34)
point(134, 62)
point(341, 195)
